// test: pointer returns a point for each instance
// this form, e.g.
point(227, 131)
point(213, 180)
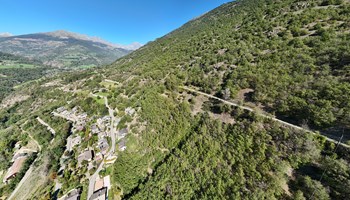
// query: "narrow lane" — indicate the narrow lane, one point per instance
point(112, 134)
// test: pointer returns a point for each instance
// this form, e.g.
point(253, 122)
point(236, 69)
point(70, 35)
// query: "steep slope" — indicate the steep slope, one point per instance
point(262, 54)
point(63, 49)
point(288, 58)
point(292, 56)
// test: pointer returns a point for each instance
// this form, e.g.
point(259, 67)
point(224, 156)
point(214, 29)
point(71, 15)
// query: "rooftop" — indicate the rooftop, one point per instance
point(74, 195)
point(122, 145)
point(99, 195)
point(87, 155)
point(15, 168)
point(99, 184)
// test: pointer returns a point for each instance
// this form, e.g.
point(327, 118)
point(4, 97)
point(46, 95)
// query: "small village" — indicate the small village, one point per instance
point(94, 143)
point(103, 131)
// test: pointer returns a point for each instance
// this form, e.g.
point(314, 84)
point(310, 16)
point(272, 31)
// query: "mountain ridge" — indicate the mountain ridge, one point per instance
point(65, 49)
point(64, 33)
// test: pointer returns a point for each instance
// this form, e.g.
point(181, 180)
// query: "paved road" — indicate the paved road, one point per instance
point(112, 133)
point(92, 180)
point(260, 114)
point(112, 128)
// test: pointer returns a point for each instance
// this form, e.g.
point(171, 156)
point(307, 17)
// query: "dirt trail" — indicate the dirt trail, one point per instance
point(260, 114)
point(49, 128)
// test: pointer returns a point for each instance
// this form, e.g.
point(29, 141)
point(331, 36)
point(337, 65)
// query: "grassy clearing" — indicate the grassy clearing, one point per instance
point(103, 94)
point(83, 93)
point(99, 100)
point(132, 143)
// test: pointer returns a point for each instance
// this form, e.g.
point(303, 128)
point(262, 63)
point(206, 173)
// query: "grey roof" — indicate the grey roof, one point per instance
point(61, 109)
point(74, 195)
point(122, 143)
point(123, 131)
point(130, 110)
point(95, 129)
point(99, 194)
point(87, 155)
point(106, 118)
point(103, 144)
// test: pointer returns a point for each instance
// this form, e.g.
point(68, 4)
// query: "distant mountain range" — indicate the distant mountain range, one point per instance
point(64, 49)
point(5, 34)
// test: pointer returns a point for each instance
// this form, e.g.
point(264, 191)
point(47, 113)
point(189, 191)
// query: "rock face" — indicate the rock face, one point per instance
point(64, 49)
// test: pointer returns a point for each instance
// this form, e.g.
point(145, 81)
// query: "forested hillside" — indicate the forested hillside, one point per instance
point(15, 70)
point(284, 58)
point(293, 55)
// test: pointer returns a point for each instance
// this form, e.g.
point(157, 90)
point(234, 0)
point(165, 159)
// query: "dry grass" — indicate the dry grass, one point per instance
point(224, 117)
point(34, 183)
point(241, 95)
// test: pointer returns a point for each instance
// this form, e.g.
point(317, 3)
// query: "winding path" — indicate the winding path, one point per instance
point(34, 140)
point(49, 128)
point(64, 117)
point(260, 114)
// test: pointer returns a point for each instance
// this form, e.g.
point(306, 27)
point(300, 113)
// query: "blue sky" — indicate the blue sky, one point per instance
point(114, 20)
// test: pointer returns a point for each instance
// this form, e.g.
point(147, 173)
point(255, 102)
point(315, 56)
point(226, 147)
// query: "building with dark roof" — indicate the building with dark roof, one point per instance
point(73, 195)
point(87, 155)
point(122, 145)
point(99, 194)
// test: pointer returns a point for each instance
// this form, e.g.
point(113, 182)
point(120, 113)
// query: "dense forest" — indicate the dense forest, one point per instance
point(284, 58)
point(245, 161)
